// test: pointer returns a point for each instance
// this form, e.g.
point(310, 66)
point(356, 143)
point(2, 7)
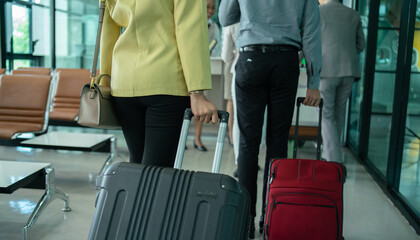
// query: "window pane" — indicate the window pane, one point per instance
point(76, 34)
point(348, 3)
point(41, 36)
point(62, 5)
point(21, 63)
point(78, 6)
point(42, 2)
point(380, 123)
point(21, 38)
point(91, 27)
point(9, 26)
point(384, 84)
point(354, 120)
point(390, 13)
point(357, 92)
point(379, 136)
point(364, 11)
point(387, 50)
point(410, 169)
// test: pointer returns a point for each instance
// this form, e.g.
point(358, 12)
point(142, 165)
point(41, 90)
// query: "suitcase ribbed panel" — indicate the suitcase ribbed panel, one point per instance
point(178, 200)
point(144, 202)
point(160, 204)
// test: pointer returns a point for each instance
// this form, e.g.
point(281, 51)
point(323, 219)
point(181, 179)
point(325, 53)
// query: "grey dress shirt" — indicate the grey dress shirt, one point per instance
point(288, 22)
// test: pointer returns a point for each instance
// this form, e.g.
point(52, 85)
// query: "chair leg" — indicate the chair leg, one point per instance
point(50, 194)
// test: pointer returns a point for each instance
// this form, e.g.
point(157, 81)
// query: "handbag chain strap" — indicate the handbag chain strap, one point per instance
point(98, 40)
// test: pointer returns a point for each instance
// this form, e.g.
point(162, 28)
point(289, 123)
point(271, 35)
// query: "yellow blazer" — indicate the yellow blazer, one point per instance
point(164, 48)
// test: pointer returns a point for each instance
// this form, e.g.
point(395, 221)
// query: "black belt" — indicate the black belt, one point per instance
point(267, 48)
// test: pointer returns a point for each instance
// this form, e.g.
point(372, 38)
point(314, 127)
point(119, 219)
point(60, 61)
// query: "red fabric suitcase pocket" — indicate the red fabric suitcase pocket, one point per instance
point(302, 216)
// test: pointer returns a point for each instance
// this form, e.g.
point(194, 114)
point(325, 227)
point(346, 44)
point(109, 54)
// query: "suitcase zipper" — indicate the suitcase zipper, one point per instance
point(274, 204)
point(273, 173)
point(312, 205)
point(339, 175)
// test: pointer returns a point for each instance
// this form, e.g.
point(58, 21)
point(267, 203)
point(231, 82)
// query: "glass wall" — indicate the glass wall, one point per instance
point(410, 169)
point(397, 172)
point(28, 37)
point(384, 83)
point(357, 92)
point(75, 32)
point(27, 44)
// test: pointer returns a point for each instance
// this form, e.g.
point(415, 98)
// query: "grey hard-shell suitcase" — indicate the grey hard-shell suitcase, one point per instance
point(146, 202)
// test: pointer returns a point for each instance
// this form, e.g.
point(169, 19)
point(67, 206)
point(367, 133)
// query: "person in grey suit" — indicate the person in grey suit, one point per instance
point(267, 71)
point(342, 41)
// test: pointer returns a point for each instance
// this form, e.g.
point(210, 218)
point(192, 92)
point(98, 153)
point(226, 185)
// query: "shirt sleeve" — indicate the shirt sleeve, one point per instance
point(311, 42)
point(193, 42)
point(229, 12)
point(110, 34)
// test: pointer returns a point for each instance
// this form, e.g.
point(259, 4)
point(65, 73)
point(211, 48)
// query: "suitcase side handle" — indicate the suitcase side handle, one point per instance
point(224, 117)
point(299, 101)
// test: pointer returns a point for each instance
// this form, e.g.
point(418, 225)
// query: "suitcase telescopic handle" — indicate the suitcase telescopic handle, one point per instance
point(299, 101)
point(224, 117)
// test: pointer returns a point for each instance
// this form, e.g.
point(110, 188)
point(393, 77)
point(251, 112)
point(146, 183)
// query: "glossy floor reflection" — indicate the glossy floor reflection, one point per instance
point(368, 214)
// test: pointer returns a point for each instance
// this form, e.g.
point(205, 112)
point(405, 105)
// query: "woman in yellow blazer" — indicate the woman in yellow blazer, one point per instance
point(156, 52)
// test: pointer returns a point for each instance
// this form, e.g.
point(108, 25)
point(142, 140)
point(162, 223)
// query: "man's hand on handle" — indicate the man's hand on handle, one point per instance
point(203, 109)
point(313, 97)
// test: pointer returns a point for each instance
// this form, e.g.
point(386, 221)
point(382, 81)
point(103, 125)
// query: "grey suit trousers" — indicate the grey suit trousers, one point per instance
point(335, 92)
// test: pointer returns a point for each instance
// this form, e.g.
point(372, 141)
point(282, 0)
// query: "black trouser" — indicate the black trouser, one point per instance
point(151, 127)
point(264, 79)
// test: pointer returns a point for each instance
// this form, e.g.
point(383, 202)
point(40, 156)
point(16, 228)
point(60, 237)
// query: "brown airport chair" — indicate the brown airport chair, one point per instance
point(36, 68)
point(24, 101)
point(65, 106)
point(31, 72)
point(2, 71)
point(44, 70)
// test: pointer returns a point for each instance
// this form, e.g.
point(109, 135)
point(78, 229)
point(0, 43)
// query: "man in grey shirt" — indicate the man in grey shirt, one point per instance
point(271, 32)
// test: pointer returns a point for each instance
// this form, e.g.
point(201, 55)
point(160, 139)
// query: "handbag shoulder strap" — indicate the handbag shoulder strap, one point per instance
point(98, 40)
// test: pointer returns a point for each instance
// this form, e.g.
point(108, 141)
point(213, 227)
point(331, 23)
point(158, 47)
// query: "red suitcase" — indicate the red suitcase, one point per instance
point(304, 197)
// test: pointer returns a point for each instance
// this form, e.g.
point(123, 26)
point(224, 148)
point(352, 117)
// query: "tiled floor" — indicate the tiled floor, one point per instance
point(368, 214)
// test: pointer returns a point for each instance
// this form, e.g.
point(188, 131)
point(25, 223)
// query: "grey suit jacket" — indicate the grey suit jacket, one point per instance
point(342, 40)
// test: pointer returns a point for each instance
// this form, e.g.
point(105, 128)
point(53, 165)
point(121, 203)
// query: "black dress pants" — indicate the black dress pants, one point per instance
point(151, 126)
point(264, 79)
